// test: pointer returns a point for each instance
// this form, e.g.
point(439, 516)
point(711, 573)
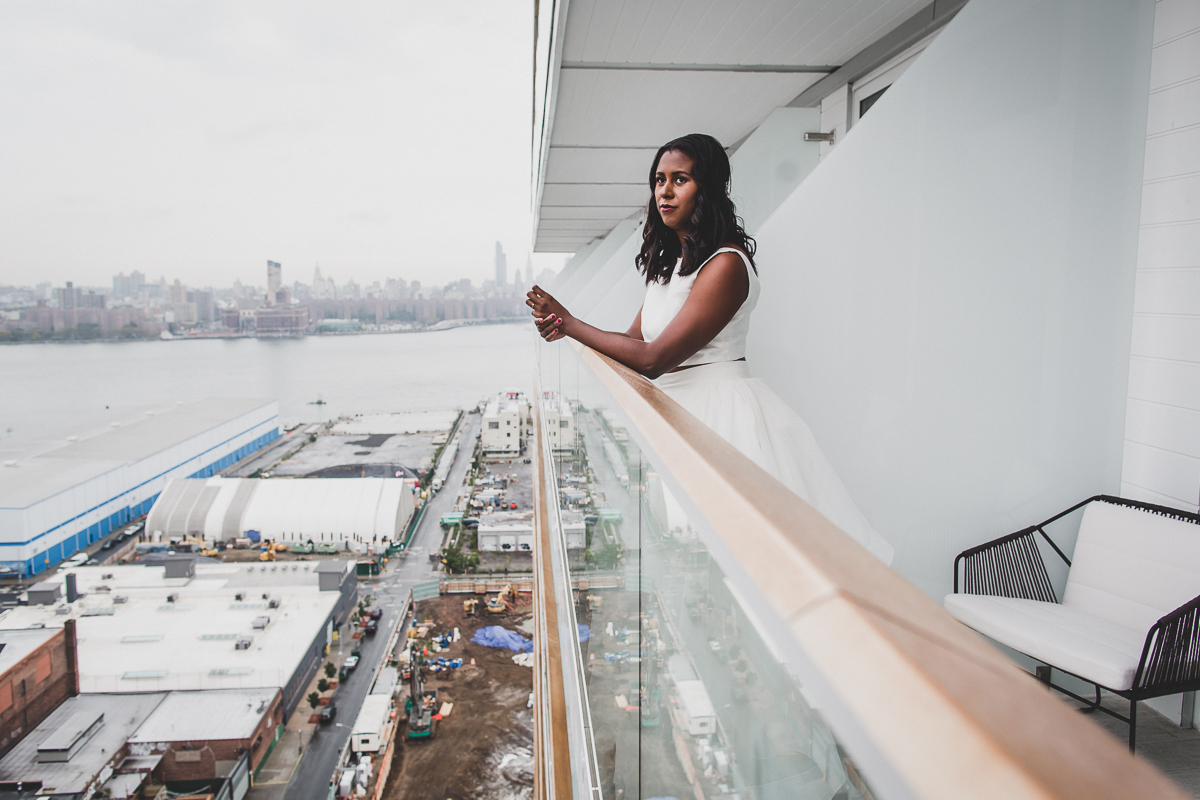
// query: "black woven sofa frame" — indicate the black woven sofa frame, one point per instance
point(1012, 566)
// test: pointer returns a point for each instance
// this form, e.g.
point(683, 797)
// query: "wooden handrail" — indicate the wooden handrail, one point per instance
point(947, 713)
point(552, 756)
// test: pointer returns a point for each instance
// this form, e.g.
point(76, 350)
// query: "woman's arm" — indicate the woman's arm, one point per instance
point(717, 294)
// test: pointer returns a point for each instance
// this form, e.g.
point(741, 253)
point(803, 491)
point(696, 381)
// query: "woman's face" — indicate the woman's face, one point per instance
point(675, 190)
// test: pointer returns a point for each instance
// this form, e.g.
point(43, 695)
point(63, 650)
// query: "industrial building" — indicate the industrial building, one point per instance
point(342, 511)
point(502, 428)
point(218, 626)
point(559, 422)
point(57, 500)
point(38, 671)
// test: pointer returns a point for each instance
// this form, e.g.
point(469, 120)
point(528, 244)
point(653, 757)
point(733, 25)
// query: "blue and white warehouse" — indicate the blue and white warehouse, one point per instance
point(59, 499)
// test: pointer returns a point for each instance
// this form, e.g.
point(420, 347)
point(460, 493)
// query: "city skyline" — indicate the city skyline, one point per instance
point(191, 145)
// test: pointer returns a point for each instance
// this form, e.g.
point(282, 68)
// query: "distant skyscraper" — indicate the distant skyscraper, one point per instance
point(501, 266)
point(274, 280)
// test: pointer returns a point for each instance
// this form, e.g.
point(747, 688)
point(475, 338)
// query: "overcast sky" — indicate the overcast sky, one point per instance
point(196, 140)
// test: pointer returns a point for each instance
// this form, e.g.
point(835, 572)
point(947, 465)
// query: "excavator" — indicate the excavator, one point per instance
point(421, 705)
point(503, 601)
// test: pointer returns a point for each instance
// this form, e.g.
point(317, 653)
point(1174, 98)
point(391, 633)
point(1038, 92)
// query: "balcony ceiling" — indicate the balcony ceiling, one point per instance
point(637, 73)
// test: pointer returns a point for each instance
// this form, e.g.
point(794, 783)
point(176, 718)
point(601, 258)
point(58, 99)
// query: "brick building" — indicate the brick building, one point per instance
point(38, 670)
point(201, 735)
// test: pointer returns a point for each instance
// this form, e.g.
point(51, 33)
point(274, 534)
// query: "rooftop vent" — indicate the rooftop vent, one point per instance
point(243, 643)
point(273, 602)
point(62, 610)
point(240, 596)
point(120, 598)
point(266, 595)
point(69, 737)
point(260, 622)
point(171, 598)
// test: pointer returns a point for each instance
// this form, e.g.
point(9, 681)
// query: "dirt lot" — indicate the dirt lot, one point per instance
point(483, 749)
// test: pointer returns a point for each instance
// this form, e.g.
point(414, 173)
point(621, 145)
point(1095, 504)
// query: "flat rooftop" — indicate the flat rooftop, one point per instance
point(15, 645)
point(123, 714)
point(148, 643)
point(206, 716)
point(41, 468)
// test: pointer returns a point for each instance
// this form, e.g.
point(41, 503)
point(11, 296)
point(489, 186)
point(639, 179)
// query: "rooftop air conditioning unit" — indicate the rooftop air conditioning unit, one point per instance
point(260, 622)
point(266, 595)
point(273, 603)
point(171, 598)
point(119, 598)
point(243, 643)
point(240, 596)
point(62, 610)
point(108, 576)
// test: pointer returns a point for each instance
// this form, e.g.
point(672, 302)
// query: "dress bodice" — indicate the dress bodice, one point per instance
point(664, 301)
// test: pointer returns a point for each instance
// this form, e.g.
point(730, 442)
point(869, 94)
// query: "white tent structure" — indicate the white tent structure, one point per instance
point(330, 510)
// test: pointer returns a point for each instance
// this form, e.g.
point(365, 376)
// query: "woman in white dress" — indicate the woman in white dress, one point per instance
point(690, 335)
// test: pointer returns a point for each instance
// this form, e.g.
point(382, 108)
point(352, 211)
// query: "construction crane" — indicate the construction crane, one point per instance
point(421, 705)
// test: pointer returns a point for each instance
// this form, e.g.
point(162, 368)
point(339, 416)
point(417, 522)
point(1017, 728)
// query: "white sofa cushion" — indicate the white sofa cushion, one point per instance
point(1065, 637)
point(1132, 567)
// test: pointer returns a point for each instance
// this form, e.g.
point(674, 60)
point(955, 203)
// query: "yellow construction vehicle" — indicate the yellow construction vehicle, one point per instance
point(470, 606)
point(503, 601)
point(267, 554)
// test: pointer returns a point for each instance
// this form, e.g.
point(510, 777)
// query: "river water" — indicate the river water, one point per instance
point(46, 389)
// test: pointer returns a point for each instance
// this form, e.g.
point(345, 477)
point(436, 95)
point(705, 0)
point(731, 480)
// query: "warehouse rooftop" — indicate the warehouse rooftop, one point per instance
point(41, 468)
point(140, 631)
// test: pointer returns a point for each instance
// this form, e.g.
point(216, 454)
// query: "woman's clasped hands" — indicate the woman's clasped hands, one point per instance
point(548, 314)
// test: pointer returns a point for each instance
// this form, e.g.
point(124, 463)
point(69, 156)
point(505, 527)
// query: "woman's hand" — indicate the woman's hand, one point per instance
point(548, 314)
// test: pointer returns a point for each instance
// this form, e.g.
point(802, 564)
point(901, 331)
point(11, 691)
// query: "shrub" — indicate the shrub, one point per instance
point(330, 670)
point(314, 700)
point(322, 686)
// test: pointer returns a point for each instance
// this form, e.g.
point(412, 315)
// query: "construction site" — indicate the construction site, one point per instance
point(467, 729)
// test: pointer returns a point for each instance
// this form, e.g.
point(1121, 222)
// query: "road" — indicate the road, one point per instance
point(310, 781)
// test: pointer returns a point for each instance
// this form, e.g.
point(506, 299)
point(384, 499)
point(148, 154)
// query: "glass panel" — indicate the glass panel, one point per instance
point(688, 695)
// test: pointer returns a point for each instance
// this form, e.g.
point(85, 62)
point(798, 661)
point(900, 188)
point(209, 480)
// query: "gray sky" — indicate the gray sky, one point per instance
point(199, 139)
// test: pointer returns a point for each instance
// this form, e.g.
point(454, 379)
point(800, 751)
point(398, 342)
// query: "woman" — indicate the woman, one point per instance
point(690, 335)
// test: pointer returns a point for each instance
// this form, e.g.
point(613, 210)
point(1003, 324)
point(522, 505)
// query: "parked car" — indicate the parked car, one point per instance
point(377, 613)
point(350, 663)
point(108, 544)
point(327, 714)
point(372, 628)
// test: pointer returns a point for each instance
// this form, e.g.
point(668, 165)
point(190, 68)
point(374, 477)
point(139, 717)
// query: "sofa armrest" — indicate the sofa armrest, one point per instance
point(1010, 566)
point(1171, 655)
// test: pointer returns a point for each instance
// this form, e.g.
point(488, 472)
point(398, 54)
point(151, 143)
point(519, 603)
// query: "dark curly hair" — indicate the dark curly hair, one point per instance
point(714, 220)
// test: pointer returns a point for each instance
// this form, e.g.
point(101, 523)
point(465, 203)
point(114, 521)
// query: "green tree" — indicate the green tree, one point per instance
point(314, 700)
point(322, 686)
point(457, 562)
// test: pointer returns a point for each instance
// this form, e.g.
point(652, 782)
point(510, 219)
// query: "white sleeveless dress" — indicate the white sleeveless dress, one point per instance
point(746, 413)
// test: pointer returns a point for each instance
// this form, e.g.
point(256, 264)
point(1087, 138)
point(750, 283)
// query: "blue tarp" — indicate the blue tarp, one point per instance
point(497, 636)
point(584, 632)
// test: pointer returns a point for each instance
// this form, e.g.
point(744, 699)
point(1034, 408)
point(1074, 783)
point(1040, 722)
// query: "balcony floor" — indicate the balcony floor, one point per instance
point(1160, 741)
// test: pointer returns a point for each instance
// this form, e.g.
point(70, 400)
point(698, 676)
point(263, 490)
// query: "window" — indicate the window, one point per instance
point(564, 423)
point(493, 426)
point(865, 104)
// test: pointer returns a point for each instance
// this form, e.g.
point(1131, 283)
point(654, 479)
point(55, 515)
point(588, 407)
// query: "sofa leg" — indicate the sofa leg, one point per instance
point(1132, 724)
point(1096, 704)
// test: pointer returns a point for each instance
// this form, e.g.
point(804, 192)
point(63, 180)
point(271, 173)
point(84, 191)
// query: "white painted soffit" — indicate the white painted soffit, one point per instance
point(635, 75)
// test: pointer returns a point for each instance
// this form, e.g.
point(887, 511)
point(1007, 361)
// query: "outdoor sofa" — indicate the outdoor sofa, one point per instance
point(1129, 618)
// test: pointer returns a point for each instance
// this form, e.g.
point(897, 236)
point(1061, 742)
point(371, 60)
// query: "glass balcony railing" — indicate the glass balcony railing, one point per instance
point(702, 633)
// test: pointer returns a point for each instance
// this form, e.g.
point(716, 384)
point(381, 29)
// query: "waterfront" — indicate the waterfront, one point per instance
point(53, 387)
